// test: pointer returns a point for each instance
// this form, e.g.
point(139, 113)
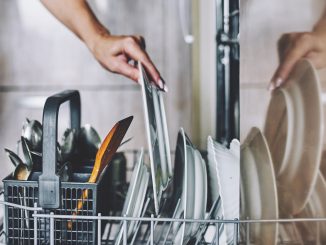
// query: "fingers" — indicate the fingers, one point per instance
point(133, 49)
point(125, 69)
point(301, 46)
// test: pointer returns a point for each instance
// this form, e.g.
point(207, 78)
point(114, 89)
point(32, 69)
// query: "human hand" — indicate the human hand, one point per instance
point(115, 53)
point(293, 46)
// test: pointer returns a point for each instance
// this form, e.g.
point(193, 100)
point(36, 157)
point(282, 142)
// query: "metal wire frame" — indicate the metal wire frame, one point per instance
point(151, 220)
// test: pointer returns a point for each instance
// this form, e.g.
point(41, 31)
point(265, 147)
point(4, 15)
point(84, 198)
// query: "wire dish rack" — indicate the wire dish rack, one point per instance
point(147, 226)
point(46, 227)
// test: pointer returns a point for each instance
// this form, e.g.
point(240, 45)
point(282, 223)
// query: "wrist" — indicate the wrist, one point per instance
point(93, 38)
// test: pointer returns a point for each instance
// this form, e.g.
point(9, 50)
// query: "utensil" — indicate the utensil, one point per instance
point(258, 188)
point(88, 142)
point(69, 142)
point(294, 132)
point(104, 155)
point(157, 137)
point(27, 153)
point(32, 131)
point(22, 171)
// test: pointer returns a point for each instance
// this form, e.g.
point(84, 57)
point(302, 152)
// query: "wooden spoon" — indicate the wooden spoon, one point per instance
point(104, 155)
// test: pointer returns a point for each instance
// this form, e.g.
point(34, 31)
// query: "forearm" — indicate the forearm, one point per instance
point(79, 18)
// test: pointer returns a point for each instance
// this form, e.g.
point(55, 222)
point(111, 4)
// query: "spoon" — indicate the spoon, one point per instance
point(88, 141)
point(32, 131)
point(22, 171)
point(104, 155)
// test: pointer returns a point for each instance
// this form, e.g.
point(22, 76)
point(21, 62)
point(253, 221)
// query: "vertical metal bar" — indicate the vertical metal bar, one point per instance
point(318, 233)
point(51, 229)
point(152, 229)
point(235, 238)
point(125, 231)
point(35, 225)
point(99, 228)
point(247, 233)
point(217, 234)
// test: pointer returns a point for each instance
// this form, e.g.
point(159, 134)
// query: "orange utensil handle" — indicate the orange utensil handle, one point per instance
point(79, 207)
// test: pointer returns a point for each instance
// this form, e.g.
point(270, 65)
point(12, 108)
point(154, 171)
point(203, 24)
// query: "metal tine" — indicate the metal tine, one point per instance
point(236, 231)
point(248, 233)
point(152, 227)
point(217, 234)
point(170, 225)
point(110, 229)
point(139, 222)
point(203, 227)
point(162, 229)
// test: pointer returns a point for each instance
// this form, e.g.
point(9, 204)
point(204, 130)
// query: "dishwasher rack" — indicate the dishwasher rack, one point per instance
point(150, 229)
point(148, 225)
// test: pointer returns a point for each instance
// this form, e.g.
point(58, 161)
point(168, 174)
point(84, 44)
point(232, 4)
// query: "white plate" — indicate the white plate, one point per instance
point(315, 208)
point(228, 176)
point(186, 208)
point(258, 188)
point(135, 198)
point(200, 190)
point(157, 137)
point(294, 131)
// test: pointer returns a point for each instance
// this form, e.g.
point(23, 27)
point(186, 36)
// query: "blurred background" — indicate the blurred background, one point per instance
point(262, 23)
point(40, 57)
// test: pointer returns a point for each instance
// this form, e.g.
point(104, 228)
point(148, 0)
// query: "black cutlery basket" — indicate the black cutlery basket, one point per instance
point(47, 191)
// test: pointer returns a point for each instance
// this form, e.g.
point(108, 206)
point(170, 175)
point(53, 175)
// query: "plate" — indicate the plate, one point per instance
point(135, 198)
point(157, 136)
point(294, 130)
point(258, 188)
point(228, 170)
point(200, 190)
point(228, 176)
point(186, 207)
point(315, 208)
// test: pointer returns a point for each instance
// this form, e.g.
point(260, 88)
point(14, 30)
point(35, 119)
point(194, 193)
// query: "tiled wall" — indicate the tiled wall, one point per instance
point(262, 23)
point(39, 57)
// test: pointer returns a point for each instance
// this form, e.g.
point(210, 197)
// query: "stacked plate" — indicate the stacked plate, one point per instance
point(224, 176)
point(281, 173)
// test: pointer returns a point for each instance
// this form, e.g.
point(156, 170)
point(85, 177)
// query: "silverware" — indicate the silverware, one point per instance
point(32, 131)
point(27, 153)
point(88, 142)
point(22, 171)
point(69, 142)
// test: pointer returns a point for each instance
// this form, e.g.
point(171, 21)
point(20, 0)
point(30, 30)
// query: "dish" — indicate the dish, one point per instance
point(258, 188)
point(135, 198)
point(200, 190)
point(157, 137)
point(216, 211)
point(294, 130)
point(186, 207)
point(228, 171)
point(315, 208)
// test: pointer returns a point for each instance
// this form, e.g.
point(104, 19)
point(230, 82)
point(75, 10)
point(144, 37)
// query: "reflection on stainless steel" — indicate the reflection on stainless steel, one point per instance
point(32, 131)
point(88, 142)
point(27, 153)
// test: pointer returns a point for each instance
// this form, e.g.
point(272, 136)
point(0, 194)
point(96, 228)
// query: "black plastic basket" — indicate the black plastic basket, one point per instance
point(51, 194)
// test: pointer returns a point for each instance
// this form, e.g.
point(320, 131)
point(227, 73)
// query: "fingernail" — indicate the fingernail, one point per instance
point(271, 86)
point(165, 88)
point(279, 82)
point(160, 84)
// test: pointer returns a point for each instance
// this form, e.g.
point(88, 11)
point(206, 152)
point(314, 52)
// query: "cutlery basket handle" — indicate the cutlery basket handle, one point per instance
point(49, 181)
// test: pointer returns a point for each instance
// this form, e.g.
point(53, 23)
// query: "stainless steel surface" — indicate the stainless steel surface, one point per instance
point(32, 131)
